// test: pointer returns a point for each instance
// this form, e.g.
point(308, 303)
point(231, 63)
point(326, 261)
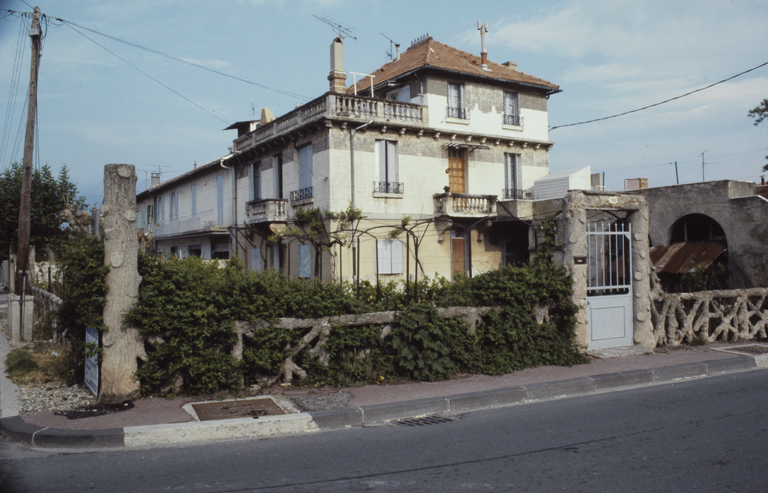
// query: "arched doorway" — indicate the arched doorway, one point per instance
point(697, 227)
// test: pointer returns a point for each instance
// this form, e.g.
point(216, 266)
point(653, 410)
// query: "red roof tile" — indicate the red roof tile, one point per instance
point(431, 53)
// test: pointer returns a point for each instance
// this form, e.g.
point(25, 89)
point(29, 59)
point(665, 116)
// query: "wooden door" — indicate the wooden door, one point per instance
point(457, 256)
point(456, 178)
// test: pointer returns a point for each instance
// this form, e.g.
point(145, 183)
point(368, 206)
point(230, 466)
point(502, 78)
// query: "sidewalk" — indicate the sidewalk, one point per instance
point(156, 421)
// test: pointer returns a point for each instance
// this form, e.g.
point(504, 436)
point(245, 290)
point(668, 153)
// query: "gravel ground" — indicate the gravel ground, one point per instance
point(320, 401)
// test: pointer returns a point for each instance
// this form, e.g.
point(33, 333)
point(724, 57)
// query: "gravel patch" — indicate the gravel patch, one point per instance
point(37, 397)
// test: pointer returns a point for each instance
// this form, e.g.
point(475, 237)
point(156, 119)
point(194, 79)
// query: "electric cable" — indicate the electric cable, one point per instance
point(146, 74)
point(661, 102)
point(181, 60)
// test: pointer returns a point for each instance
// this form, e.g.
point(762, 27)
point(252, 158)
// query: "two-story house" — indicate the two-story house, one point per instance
point(444, 137)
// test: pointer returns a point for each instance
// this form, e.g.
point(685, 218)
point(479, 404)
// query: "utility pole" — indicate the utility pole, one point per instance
point(22, 252)
point(702, 167)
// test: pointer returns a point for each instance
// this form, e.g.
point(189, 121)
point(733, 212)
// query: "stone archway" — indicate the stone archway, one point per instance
point(696, 227)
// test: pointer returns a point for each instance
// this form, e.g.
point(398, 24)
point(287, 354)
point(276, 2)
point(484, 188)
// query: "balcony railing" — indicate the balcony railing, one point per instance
point(303, 194)
point(388, 187)
point(513, 194)
point(516, 120)
point(459, 113)
point(336, 106)
point(464, 204)
point(266, 210)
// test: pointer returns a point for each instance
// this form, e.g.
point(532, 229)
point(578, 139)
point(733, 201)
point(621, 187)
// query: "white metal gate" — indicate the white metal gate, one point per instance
point(609, 285)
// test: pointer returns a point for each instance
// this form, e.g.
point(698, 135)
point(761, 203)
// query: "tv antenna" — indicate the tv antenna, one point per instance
point(390, 53)
point(340, 30)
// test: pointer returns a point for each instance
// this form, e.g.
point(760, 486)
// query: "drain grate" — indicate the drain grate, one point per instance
point(753, 349)
point(426, 420)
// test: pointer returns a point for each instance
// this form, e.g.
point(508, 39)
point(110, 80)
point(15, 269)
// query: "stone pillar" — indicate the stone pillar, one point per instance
point(122, 345)
point(20, 329)
point(574, 226)
point(641, 276)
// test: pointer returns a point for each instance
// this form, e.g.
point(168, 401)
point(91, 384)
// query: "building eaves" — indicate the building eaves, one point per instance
point(151, 191)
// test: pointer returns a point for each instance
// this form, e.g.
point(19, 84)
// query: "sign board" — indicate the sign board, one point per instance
point(92, 362)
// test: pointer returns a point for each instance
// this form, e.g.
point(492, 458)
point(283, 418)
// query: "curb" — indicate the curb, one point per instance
point(19, 430)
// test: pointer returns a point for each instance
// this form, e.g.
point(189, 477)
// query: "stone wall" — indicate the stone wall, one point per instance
point(46, 305)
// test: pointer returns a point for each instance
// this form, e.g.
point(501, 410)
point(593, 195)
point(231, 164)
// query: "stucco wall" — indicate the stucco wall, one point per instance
point(735, 207)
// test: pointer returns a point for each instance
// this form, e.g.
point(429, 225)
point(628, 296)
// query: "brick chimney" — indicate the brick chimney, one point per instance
point(337, 76)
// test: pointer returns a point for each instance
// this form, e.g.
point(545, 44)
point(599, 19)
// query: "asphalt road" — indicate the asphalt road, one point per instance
point(701, 435)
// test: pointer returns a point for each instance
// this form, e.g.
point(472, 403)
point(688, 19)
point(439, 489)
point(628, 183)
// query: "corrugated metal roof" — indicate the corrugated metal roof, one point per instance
point(682, 258)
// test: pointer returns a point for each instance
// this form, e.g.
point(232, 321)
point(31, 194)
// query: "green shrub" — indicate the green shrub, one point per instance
point(19, 362)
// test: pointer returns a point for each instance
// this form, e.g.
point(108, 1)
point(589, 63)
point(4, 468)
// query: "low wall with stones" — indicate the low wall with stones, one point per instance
point(319, 328)
point(727, 315)
point(46, 305)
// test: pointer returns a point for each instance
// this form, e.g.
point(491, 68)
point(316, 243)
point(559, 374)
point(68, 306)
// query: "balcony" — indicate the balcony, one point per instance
point(388, 187)
point(514, 120)
point(302, 194)
point(337, 107)
point(457, 113)
point(464, 205)
point(513, 194)
point(267, 210)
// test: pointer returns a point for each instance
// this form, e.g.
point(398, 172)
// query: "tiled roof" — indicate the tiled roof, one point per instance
point(431, 53)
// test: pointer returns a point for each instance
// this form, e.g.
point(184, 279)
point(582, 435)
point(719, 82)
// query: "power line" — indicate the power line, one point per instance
point(662, 102)
point(137, 68)
point(181, 60)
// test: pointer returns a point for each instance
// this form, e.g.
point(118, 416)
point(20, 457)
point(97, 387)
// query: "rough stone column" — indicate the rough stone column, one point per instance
point(574, 224)
point(641, 272)
point(122, 345)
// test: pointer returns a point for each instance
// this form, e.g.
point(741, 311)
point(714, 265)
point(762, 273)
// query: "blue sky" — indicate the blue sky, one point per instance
point(608, 56)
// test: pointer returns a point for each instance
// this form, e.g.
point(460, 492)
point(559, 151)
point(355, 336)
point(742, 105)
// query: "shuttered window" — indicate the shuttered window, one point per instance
point(390, 256)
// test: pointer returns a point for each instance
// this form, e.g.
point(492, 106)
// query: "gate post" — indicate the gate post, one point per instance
point(641, 274)
point(575, 245)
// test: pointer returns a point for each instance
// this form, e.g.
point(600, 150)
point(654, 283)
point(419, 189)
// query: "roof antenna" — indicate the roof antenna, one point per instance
point(391, 51)
point(341, 31)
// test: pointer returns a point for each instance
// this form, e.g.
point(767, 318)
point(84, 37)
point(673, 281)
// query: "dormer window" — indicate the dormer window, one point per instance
point(511, 108)
point(456, 102)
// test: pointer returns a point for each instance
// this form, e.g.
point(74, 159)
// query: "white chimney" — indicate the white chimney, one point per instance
point(337, 76)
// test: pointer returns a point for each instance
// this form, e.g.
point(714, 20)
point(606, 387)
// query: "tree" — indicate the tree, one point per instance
point(760, 113)
point(50, 196)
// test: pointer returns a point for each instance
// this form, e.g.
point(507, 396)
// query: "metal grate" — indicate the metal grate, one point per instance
point(426, 420)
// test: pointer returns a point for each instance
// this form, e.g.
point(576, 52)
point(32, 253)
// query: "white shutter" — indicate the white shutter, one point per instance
point(255, 260)
point(454, 95)
point(384, 252)
point(396, 249)
point(304, 261)
point(381, 155)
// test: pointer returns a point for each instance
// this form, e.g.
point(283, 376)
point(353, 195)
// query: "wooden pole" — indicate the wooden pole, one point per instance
point(22, 252)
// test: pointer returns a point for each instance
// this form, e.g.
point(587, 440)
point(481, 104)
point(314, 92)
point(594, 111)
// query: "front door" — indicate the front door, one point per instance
point(456, 178)
point(609, 285)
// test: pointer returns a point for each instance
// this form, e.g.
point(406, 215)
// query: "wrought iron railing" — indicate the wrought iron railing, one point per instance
point(302, 194)
point(459, 113)
point(388, 187)
point(513, 120)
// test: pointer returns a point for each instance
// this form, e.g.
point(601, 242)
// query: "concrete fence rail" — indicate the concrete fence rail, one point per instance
point(726, 315)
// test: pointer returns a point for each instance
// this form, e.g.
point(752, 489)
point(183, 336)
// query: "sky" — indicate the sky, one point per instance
point(101, 101)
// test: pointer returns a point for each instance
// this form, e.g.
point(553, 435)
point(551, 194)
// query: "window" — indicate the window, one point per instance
point(196, 250)
point(194, 200)
point(305, 166)
point(513, 178)
point(516, 250)
point(511, 113)
point(150, 216)
point(390, 256)
point(173, 206)
point(304, 260)
point(255, 259)
point(386, 157)
point(255, 181)
point(456, 101)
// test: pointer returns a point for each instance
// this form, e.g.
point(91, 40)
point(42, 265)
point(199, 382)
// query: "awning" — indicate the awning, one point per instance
point(465, 145)
point(683, 258)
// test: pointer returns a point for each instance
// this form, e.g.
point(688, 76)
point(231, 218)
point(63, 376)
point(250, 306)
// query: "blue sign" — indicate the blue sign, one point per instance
point(92, 362)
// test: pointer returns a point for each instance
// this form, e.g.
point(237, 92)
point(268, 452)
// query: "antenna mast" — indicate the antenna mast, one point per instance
point(341, 31)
